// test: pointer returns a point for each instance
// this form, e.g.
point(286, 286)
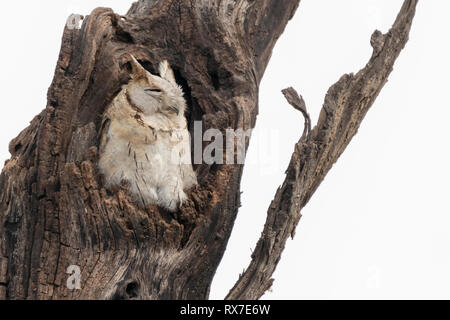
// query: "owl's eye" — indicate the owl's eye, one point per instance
point(150, 91)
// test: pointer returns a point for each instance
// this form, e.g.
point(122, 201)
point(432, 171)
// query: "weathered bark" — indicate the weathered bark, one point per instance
point(344, 109)
point(54, 210)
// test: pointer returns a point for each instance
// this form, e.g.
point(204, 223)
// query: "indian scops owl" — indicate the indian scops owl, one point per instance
point(145, 142)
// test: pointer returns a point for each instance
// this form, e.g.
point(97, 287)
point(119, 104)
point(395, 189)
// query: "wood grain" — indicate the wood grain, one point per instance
point(54, 209)
point(346, 104)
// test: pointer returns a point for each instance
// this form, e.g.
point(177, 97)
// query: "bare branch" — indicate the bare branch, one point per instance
point(52, 198)
point(299, 104)
point(345, 107)
point(264, 19)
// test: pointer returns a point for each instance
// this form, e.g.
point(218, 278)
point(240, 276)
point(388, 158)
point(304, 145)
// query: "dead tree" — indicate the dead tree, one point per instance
point(54, 210)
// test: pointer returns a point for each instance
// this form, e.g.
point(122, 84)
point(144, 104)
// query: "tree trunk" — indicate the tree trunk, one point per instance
point(54, 209)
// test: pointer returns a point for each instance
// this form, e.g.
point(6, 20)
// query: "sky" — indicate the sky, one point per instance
point(379, 225)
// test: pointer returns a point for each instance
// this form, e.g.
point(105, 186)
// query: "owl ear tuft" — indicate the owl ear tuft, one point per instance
point(137, 70)
point(166, 72)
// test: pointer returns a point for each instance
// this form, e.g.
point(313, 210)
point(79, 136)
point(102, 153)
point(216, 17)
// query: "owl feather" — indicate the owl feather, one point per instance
point(145, 144)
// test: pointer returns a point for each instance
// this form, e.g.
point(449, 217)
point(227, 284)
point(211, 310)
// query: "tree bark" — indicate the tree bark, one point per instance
point(344, 109)
point(54, 210)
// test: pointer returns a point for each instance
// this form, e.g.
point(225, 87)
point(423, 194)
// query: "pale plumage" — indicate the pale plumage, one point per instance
point(145, 141)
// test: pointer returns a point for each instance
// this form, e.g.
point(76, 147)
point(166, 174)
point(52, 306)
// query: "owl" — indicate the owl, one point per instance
point(145, 143)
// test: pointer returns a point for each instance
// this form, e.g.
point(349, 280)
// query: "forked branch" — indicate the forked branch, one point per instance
point(345, 106)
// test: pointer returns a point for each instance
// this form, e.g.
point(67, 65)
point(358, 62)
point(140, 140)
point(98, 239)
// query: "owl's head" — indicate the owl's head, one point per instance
point(154, 94)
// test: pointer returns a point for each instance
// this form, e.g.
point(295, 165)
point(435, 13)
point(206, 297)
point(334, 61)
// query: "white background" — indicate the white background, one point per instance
point(378, 227)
